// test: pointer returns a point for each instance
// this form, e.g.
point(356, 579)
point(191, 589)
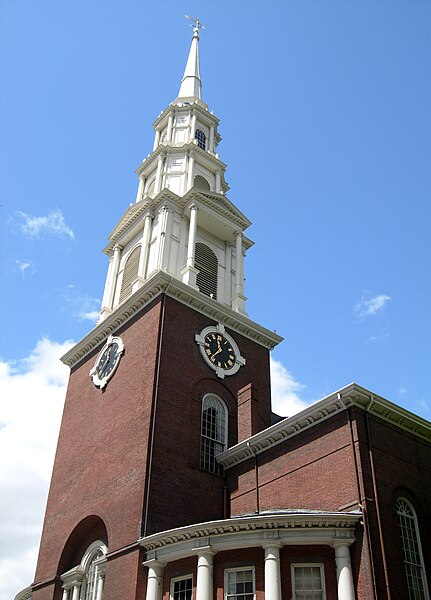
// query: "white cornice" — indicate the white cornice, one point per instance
point(278, 528)
point(164, 283)
point(24, 594)
point(218, 203)
point(194, 106)
point(169, 148)
point(351, 395)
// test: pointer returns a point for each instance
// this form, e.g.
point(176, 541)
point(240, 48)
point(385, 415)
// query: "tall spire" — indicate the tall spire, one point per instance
point(191, 82)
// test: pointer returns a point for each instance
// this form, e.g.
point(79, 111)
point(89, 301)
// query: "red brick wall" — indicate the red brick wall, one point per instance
point(300, 472)
point(101, 455)
point(402, 465)
point(102, 458)
point(176, 478)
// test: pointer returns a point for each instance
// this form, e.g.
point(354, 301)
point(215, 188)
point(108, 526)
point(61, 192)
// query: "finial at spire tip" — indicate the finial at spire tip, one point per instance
point(197, 24)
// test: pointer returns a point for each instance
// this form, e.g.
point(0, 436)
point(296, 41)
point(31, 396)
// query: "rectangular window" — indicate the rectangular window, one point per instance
point(182, 588)
point(239, 584)
point(308, 582)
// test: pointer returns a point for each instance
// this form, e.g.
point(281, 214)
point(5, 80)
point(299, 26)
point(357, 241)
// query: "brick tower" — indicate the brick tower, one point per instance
point(173, 373)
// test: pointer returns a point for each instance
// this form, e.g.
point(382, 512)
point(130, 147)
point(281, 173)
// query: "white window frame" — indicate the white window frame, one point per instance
point(86, 563)
point(304, 564)
point(174, 580)
point(237, 570)
point(419, 549)
point(225, 441)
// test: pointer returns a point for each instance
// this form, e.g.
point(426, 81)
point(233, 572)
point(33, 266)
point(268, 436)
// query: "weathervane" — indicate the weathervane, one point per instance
point(197, 24)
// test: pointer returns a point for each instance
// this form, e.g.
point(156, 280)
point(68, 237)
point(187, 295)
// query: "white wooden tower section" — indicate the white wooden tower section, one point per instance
point(182, 223)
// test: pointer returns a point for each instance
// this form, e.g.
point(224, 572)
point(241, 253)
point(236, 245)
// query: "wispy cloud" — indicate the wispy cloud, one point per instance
point(53, 223)
point(25, 266)
point(80, 305)
point(89, 316)
point(367, 307)
point(285, 389)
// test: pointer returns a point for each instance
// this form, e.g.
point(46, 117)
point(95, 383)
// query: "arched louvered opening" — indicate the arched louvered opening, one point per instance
point(201, 138)
point(201, 183)
point(207, 265)
point(130, 273)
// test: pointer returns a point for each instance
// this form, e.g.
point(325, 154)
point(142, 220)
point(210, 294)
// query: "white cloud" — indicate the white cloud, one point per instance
point(81, 306)
point(23, 266)
point(53, 223)
point(31, 401)
point(89, 316)
point(371, 306)
point(286, 400)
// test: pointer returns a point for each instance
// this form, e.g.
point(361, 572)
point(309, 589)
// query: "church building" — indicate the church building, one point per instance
point(173, 479)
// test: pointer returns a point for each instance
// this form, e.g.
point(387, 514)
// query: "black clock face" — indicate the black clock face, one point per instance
point(108, 361)
point(219, 350)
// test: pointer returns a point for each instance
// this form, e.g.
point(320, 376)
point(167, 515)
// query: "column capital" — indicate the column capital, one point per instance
point(117, 248)
point(272, 544)
point(204, 551)
point(339, 542)
point(154, 563)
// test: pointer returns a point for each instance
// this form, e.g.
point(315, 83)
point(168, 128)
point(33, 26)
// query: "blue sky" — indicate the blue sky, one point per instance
point(325, 114)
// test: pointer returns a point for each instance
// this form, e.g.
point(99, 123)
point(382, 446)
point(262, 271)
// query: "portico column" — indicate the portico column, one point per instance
point(272, 572)
point(189, 273)
point(76, 590)
point(66, 591)
point(159, 173)
point(100, 585)
point(145, 247)
point(154, 579)
point(204, 580)
point(346, 589)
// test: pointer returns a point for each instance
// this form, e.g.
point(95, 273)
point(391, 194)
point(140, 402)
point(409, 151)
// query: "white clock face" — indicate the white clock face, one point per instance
point(107, 361)
point(219, 350)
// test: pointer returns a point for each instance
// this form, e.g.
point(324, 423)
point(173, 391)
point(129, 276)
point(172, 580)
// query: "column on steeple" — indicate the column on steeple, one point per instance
point(238, 300)
point(189, 273)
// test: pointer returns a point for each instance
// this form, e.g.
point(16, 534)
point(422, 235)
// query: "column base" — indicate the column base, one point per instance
point(189, 275)
point(103, 313)
point(238, 303)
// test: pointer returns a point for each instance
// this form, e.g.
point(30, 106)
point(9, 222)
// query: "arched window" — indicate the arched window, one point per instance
point(92, 575)
point(412, 551)
point(207, 264)
point(213, 432)
point(130, 273)
point(86, 580)
point(201, 183)
point(201, 138)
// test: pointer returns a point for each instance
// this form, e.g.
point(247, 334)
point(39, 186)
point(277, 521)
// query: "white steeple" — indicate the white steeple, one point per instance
point(191, 85)
point(182, 224)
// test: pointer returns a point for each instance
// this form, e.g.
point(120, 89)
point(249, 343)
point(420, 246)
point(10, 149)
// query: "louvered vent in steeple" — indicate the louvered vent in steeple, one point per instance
point(207, 265)
point(130, 273)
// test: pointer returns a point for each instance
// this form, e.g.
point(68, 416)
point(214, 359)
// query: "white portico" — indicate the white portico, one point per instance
point(182, 223)
point(268, 533)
